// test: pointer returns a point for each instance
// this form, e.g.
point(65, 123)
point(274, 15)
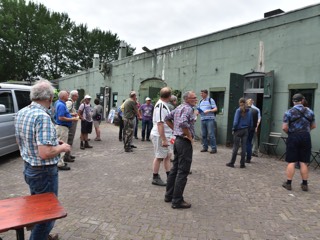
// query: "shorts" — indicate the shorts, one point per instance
point(159, 151)
point(86, 127)
point(96, 123)
point(298, 147)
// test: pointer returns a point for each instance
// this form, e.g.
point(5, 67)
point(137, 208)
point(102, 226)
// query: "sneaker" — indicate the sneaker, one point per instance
point(204, 150)
point(183, 204)
point(248, 161)
point(213, 151)
point(68, 159)
point(128, 150)
point(158, 181)
point(64, 168)
point(230, 165)
point(167, 199)
point(133, 146)
point(304, 187)
point(287, 186)
point(72, 157)
point(243, 166)
point(97, 139)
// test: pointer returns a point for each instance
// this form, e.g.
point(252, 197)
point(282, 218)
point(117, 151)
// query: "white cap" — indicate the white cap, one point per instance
point(87, 97)
point(148, 99)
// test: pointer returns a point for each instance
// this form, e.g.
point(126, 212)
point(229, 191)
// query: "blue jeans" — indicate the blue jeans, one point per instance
point(207, 129)
point(146, 124)
point(249, 144)
point(41, 180)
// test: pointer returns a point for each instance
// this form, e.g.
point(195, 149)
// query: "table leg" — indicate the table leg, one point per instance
point(20, 233)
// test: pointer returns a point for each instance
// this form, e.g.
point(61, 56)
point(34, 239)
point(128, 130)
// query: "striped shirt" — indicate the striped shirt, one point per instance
point(33, 127)
point(182, 117)
point(161, 110)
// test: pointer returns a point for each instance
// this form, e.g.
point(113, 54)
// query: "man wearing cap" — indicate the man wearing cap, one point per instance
point(297, 123)
point(85, 115)
point(146, 111)
point(130, 111)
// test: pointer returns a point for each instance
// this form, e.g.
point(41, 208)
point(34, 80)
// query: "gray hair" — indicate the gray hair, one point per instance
point(62, 94)
point(186, 95)
point(173, 98)
point(73, 92)
point(42, 90)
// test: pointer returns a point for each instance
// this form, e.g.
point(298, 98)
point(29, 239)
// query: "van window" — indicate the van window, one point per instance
point(23, 98)
point(7, 101)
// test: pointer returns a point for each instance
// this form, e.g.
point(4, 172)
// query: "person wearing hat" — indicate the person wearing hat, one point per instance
point(146, 112)
point(85, 115)
point(297, 123)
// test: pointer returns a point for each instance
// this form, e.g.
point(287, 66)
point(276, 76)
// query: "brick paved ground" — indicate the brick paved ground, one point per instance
point(108, 195)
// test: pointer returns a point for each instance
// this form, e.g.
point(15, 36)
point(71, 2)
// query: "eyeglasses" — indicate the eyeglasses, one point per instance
point(192, 97)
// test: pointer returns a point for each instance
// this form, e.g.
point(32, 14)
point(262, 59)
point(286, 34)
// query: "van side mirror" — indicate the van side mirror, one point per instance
point(2, 108)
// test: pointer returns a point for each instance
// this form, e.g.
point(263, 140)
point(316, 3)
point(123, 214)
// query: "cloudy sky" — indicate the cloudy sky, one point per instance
point(157, 23)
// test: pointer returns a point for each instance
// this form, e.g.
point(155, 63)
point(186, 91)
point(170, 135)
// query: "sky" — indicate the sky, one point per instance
point(157, 23)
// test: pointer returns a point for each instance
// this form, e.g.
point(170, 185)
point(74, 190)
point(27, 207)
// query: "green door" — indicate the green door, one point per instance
point(266, 113)
point(236, 92)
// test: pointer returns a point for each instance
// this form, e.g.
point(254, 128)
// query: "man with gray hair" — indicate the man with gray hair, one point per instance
point(40, 149)
point(73, 97)
point(63, 123)
point(181, 120)
point(172, 102)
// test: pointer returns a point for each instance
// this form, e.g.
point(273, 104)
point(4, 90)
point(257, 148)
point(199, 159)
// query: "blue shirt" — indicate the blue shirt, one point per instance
point(62, 111)
point(182, 117)
point(207, 104)
point(242, 121)
point(299, 119)
point(33, 127)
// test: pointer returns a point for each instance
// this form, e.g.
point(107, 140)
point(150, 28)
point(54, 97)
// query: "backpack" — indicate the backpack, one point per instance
point(215, 113)
point(98, 117)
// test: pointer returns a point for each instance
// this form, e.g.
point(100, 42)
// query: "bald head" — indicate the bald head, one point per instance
point(63, 95)
point(165, 93)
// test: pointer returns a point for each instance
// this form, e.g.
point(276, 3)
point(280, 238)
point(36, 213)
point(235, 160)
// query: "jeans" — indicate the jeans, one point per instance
point(41, 180)
point(249, 144)
point(179, 172)
point(146, 124)
point(240, 136)
point(207, 129)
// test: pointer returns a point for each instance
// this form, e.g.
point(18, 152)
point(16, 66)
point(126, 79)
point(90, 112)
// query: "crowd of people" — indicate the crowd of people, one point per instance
point(45, 141)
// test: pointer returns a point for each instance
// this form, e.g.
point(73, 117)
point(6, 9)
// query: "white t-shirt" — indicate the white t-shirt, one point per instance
point(161, 110)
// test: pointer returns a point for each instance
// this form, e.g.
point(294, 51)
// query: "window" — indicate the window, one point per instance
point(217, 94)
point(23, 98)
point(306, 89)
point(7, 101)
point(114, 99)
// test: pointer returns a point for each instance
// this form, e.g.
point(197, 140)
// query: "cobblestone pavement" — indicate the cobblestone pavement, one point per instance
point(108, 195)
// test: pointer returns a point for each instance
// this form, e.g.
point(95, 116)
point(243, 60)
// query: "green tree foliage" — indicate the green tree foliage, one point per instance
point(37, 42)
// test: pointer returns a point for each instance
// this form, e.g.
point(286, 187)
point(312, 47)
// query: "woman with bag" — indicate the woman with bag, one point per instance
point(97, 116)
point(242, 123)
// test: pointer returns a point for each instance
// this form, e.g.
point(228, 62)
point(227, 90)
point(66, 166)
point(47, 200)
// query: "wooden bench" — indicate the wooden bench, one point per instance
point(21, 212)
point(274, 138)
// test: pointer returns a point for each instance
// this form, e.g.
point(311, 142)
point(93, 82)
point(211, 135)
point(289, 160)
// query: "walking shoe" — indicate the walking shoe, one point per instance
point(204, 150)
point(133, 146)
point(148, 139)
point(287, 186)
point(304, 187)
point(72, 157)
point(136, 137)
point(128, 150)
point(64, 168)
point(243, 166)
point(53, 236)
point(142, 139)
point(183, 204)
point(167, 199)
point(248, 161)
point(68, 159)
point(230, 165)
point(97, 139)
point(86, 145)
point(213, 151)
point(158, 181)
point(82, 145)
point(255, 155)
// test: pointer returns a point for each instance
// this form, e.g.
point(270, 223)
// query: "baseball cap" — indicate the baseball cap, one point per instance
point(148, 99)
point(297, 97)
point(87, 97)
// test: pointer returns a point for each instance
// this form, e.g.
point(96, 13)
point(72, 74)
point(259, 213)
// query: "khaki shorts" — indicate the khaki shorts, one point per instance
point(96, 123)
point(159, 151)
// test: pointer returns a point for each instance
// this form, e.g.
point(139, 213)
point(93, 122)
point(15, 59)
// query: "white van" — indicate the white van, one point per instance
point(13, 97)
